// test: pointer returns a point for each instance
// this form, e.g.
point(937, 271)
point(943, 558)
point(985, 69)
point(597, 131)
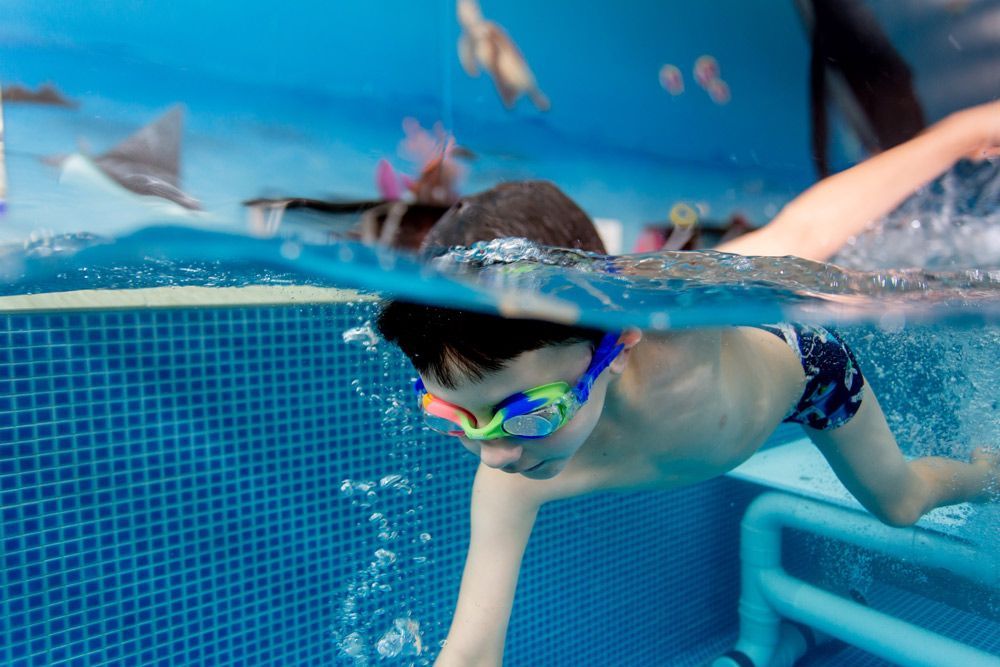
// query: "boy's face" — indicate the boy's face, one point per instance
point(535, 458)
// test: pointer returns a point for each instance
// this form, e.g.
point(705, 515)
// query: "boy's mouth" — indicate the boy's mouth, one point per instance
point(538, 471)
point(514, 471)
point(544, 470)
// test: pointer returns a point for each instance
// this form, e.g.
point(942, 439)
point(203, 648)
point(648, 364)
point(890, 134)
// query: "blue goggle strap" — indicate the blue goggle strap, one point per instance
point(520, 404)
point(606, 351)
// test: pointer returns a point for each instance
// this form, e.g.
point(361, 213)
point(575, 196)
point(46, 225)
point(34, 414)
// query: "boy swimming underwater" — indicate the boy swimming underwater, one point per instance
point(555, 411)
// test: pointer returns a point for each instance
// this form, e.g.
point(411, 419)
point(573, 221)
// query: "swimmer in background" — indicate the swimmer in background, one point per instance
point(485, 44)
point(555, 411)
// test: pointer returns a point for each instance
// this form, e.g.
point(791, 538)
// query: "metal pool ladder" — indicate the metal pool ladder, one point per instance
point(780, 614)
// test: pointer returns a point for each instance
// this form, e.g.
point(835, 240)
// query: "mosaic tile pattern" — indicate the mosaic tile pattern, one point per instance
point(243, 486)
point(171, 494)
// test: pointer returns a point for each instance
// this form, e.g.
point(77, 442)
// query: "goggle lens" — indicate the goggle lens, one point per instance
point(441, 425)
point(538, 424)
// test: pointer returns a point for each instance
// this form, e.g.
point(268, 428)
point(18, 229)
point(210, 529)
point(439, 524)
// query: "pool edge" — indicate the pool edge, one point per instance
point(179, 297)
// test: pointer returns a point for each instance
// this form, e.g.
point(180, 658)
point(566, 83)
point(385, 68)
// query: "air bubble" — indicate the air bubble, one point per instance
point(384, 557)
point(353, 645)
point(363, 334)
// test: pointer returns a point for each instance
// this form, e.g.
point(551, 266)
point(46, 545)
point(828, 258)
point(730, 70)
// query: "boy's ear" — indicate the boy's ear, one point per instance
point(629, 338)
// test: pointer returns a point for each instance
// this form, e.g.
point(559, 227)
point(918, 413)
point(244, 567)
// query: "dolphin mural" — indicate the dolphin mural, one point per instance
point(146, 164)
point(486, 44)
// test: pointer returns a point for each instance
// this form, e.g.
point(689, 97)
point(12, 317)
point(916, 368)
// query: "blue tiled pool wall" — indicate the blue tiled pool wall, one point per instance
point(173, 492)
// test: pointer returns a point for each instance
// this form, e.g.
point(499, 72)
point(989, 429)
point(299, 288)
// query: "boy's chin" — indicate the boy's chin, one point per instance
point(546, 470)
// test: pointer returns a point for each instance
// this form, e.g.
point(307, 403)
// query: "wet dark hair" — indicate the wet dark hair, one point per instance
point(534, 210)
point(449, 344)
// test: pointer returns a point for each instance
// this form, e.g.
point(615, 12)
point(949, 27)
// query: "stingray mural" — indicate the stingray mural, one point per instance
point(146, 166)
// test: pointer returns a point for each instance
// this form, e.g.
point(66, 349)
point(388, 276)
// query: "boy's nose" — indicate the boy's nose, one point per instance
point(499, 453)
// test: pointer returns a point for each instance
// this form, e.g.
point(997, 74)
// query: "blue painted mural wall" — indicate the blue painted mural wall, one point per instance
point(598, 62)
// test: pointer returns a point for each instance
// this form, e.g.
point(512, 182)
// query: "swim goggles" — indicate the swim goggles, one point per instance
point(535, 413)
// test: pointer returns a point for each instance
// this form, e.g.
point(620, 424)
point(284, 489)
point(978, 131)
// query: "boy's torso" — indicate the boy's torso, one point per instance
point(691, 406)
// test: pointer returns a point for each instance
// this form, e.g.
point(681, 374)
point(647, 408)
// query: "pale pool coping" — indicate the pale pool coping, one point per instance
point(180, 297)
point(799, 468)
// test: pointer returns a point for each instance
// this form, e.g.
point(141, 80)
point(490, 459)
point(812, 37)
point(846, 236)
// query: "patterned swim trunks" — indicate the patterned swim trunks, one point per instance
point(834, 384)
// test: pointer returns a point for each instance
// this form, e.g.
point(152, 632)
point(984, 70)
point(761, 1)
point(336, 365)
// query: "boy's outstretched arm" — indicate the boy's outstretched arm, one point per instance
point(864, 455)
point(503, 512)
point(818, 222)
